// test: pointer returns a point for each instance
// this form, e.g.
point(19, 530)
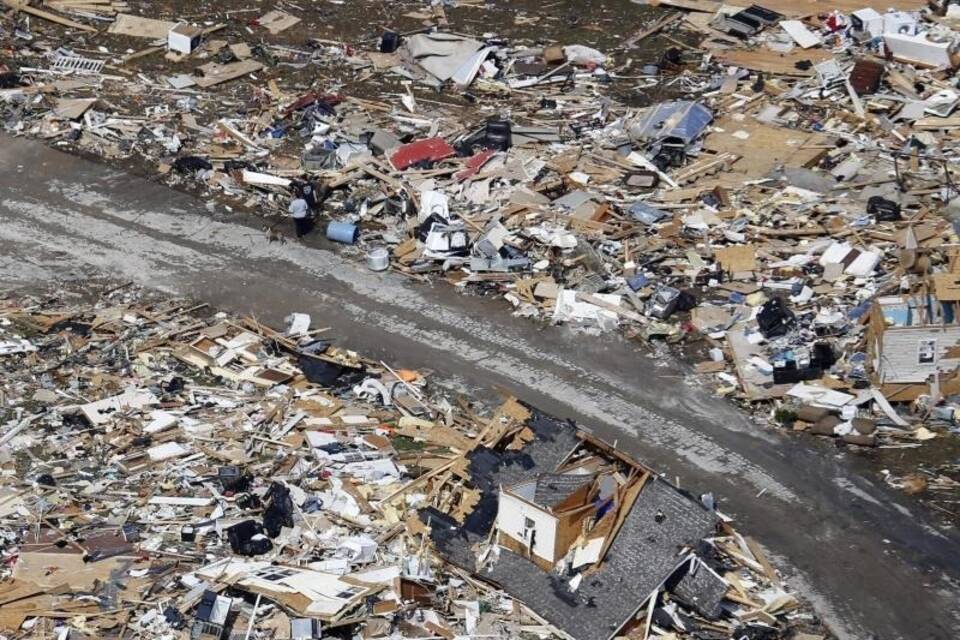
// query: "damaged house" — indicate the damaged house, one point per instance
point(914, 340)
point(588, 538)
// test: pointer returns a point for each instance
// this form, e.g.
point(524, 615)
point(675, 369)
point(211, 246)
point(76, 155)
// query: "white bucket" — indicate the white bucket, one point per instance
point(378, 259)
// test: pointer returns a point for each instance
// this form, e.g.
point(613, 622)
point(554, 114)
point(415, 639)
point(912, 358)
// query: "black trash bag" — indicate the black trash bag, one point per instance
point(885, 210)
point(774, 318)
point(279, 513)
point(191, 164)
point(247, 539)
point(672, 56)
point(787, 374)
point(498, 135)
point(248, 501)
point(9, 80)
point(173, 386)
point(238, 165)
point(389, 42)
point(319, 371)
point(141, 441)
point(686, 301)
point(46, 480)
point(756, 632)
point(823, 356)
point(670, 157)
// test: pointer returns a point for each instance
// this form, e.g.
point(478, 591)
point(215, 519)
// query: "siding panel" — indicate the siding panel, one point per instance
point(900, 359)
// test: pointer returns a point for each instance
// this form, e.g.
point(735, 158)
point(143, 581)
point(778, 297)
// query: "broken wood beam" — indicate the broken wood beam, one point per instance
point(19, 5)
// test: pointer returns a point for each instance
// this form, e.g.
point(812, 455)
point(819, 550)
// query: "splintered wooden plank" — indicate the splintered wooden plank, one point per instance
point(510, 414)
point(19, 5)
point(756, 385)
point(276, 21)
point(627, 496)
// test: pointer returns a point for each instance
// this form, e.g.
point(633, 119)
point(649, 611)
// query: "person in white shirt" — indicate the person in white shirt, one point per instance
point(301, 216)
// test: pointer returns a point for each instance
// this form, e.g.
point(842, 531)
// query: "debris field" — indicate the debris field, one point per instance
point(764, 194)
point(174, 472)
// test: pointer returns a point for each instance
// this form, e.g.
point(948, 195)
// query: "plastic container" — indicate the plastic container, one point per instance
point(498, 135)
point(345, 232)
point(378, 259)
point(389, 42)
point(229, 476)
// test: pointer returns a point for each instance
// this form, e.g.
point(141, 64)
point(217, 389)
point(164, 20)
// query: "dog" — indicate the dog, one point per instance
point(273, 235)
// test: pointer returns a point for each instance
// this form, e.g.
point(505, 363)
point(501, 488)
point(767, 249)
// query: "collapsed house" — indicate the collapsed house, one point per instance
point(590, 539)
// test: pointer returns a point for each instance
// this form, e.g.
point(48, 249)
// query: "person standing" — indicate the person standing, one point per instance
point(314, 194)
point(300, 211)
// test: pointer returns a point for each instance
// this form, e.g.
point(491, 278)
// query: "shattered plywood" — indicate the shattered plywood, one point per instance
point(433, 433)
point(276, 21)
point(737, 258)
point(133, 26)
point(762, 148)
point(799, 62)
point(756, 384)
point(214, 73)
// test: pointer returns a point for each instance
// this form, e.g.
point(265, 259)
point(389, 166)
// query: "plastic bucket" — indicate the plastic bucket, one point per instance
point(378, 259)
point(345, 232)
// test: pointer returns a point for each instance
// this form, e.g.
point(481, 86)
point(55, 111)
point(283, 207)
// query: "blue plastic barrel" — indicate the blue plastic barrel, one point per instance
point(345, 232)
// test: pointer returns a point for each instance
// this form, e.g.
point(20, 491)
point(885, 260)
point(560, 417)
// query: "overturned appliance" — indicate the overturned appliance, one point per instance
point(492, 253)
point(774, 318)
point(446, 240)
point(647, 214)
point(669, 129)
point(796, 365)
point(667, 300)
point(746, 23)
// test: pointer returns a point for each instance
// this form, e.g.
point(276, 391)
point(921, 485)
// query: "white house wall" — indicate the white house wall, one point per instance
point(899, 362)
point(510, 519)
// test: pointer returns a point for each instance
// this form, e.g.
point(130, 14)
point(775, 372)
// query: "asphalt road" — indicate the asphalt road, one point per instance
point(869, 558)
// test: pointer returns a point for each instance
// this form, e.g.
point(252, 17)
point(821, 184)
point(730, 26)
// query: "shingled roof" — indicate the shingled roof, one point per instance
point(644, 554)
point(554, 488)
point(647, 550)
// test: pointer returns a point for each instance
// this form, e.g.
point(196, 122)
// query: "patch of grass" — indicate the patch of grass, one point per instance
point(404, 444)
point(784, 416)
